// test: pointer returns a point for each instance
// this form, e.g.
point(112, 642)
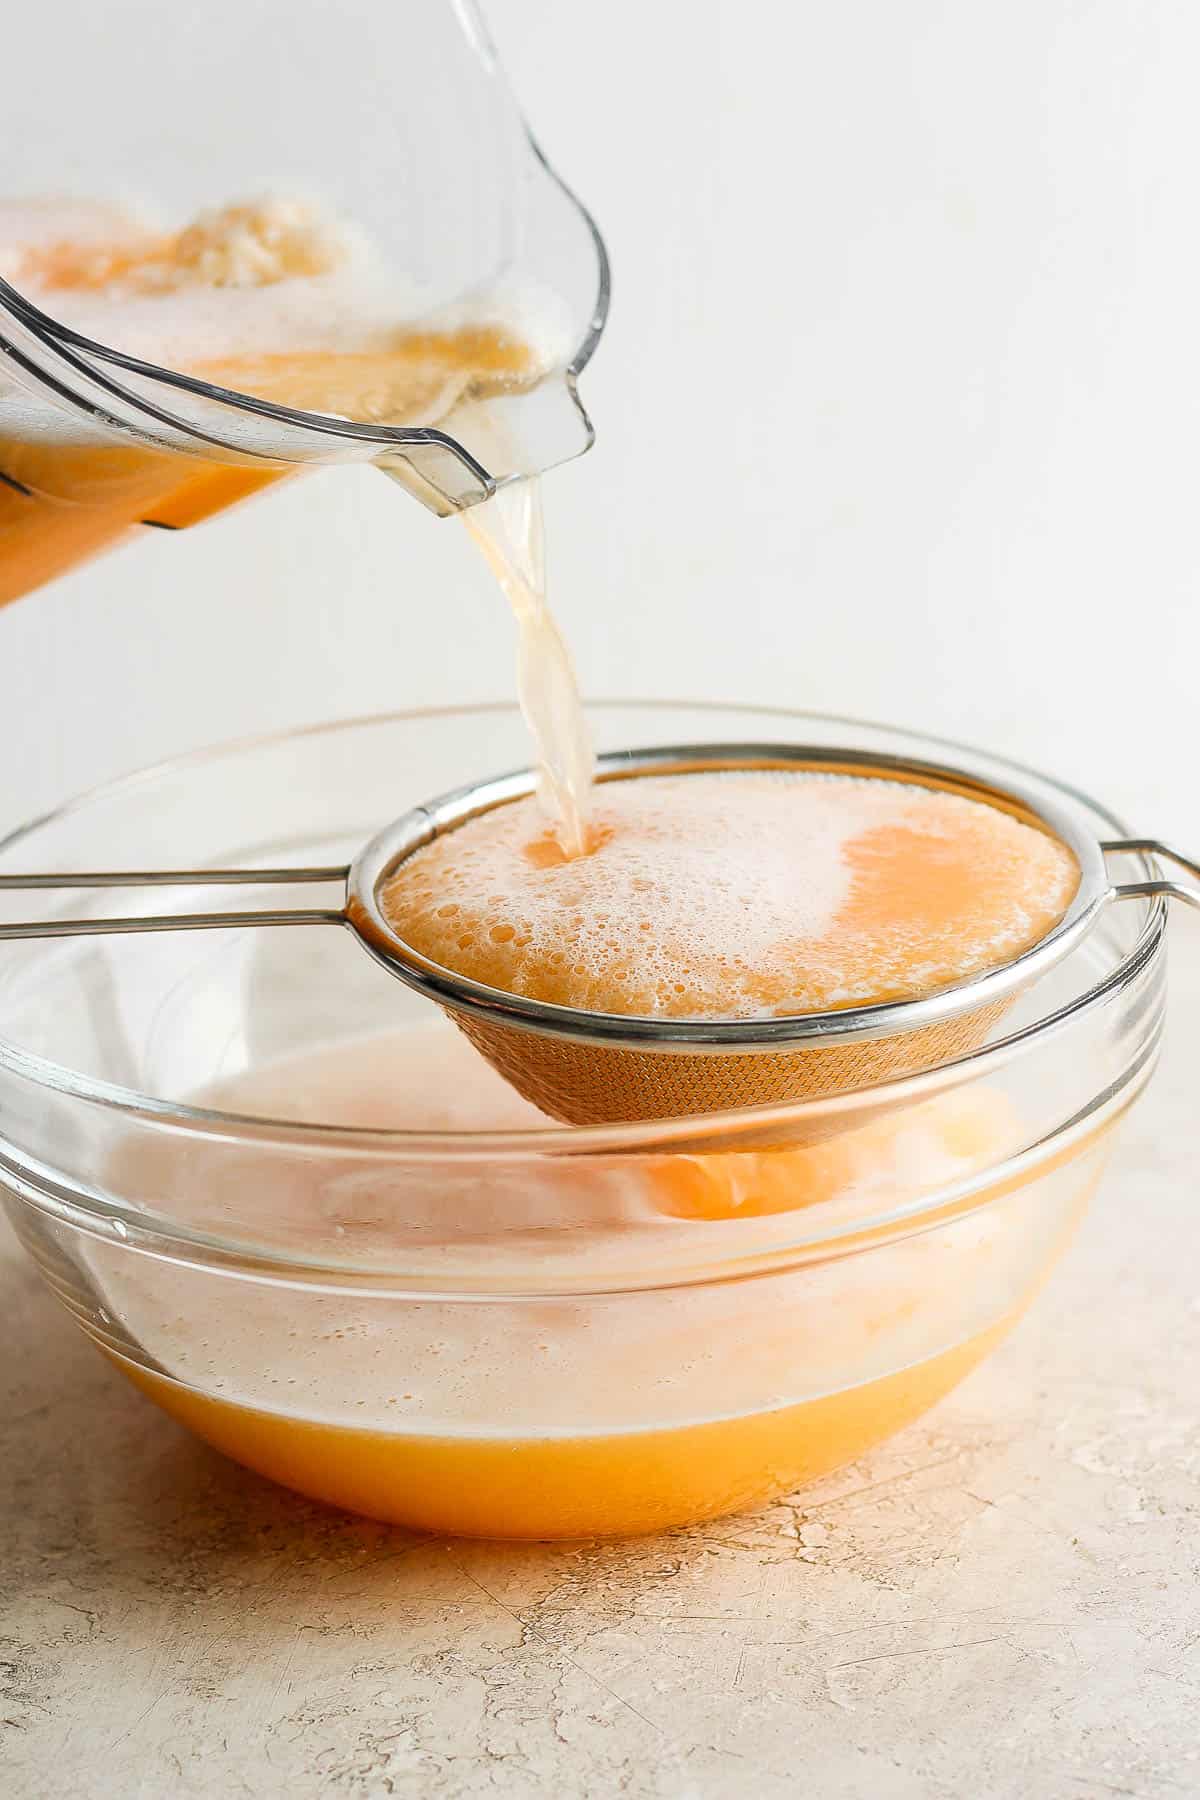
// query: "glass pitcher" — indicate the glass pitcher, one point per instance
point(396, 122)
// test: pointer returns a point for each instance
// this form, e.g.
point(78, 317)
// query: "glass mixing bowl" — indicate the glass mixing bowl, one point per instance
point(275, 1189)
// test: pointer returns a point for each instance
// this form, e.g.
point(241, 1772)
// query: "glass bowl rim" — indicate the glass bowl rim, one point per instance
point(552, 1138)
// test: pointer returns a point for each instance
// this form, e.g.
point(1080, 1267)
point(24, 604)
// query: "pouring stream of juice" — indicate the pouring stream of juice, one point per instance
point(508, 529)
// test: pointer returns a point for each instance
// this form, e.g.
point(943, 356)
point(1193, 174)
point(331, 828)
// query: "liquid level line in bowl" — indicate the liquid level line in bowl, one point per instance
point(609, 1484)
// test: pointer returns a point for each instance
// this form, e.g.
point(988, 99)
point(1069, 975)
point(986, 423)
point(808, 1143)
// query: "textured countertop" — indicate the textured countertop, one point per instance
point(1001, 1602)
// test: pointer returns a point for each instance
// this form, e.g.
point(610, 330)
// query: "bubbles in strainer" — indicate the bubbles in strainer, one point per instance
point(739, 895)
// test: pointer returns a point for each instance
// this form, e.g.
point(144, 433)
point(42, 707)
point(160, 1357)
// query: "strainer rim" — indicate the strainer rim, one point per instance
point(421, 825)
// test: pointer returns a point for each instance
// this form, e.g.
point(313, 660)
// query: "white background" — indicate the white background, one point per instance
point(898, 415)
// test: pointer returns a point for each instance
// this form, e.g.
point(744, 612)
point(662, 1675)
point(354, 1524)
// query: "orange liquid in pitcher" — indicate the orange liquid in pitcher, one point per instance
point(61, 503)
point(66, 494)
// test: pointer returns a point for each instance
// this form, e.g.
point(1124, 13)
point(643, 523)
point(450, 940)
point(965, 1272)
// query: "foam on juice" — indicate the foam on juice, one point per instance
point(270, 279)
point(736, 895)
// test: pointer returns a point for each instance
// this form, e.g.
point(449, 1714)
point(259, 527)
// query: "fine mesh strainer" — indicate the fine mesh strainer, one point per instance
point(593, 1068)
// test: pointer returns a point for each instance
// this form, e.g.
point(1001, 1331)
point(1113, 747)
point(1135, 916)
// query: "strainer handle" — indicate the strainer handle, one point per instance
point(1162, 888)
point(204, 921)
